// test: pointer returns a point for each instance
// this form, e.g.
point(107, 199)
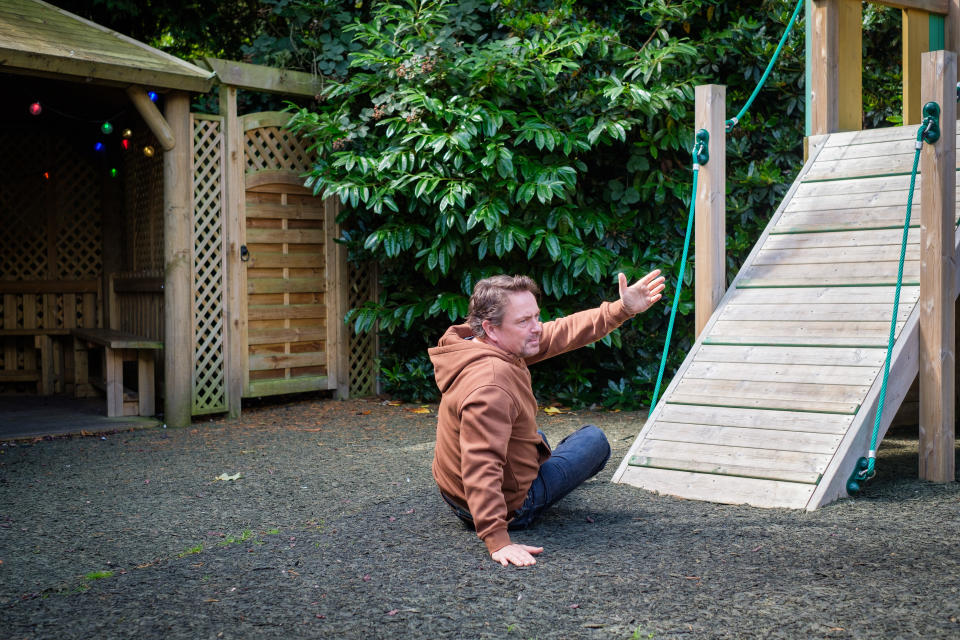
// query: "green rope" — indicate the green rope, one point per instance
point(865, 467)
point(699, 157)
point(733, 121)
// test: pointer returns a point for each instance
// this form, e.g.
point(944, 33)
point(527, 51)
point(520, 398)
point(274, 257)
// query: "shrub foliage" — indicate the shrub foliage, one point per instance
point(550, 138)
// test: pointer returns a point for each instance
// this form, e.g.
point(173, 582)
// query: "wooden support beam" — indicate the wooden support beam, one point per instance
point(916, 41)
point(152, 116)
point(836, 82)
point(710, 210)
point(937, 267)
point(337, 286)
point(257, 77)
point(238, 373)
point(178, 263)
point(930, 6)
point(951, 27)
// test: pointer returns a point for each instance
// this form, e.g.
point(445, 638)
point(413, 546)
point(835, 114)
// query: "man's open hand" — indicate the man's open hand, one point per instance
point(643, 293)
point(518, 554)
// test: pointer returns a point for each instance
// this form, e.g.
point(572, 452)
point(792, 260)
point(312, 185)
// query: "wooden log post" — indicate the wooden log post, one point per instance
point(178, 263)
point(835, 54)
point(937, 268)
point(710, 277)
point(916, 41)
point(951, 27)
point(236, 301)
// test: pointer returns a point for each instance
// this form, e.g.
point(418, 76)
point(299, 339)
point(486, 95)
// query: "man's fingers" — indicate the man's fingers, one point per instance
point(622, 281)
point(530, 549)
point(650, 276)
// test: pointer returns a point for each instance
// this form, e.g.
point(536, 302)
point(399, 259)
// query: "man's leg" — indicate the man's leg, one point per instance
point(578, 457)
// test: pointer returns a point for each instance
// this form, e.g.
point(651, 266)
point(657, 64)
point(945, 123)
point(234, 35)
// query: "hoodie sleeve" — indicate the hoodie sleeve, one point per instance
point(579, 329)
point(486, 419)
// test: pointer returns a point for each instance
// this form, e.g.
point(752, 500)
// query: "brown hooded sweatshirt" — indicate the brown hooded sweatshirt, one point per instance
point(488, 451)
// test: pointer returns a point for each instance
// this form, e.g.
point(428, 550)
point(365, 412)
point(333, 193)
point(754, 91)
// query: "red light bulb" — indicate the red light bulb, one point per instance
point(35, 109)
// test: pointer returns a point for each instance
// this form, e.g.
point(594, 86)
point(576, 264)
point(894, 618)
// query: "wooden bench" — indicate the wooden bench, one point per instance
point(120, 347)
point(49, 374)
point(46, 311)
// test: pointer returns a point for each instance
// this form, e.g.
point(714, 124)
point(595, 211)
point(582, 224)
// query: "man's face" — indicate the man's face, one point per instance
point(519, 333)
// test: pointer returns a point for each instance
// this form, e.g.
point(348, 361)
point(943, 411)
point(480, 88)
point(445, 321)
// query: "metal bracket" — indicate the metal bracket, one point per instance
point(700, 154)
point(931, 115)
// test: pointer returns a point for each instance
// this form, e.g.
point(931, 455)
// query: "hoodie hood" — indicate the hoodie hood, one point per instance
point(458, 349)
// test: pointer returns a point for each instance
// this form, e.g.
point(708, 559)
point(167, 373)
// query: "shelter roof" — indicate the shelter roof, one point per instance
point(37, 38)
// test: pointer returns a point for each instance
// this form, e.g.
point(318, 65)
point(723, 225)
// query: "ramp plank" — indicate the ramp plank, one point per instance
point(754, 438)
point(790, 466)
point(836, 275)
point(858, 238)
point(768, 395)
point(723, 489)
point(850, 357)
point(809, 331)
point(800, 373)
point(824, 295)
point(814, 313)
point(827, 423)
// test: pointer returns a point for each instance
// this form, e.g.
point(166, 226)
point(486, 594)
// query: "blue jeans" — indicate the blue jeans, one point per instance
point(578, 457)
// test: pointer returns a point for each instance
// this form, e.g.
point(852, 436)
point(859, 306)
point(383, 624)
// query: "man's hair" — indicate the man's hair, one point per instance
point(490, 297)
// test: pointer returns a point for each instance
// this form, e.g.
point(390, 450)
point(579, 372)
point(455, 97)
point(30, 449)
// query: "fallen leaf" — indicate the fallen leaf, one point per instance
point(406, 512)
point(590, 520)
point(366, 578)
point(552, 411)
point(321, 616)
point(757, 548)
point(419, 410)
point(395, 403)
point(393, 612)
point(575, 605)
point(224, 476)
point(392, 519)
point(363, 413)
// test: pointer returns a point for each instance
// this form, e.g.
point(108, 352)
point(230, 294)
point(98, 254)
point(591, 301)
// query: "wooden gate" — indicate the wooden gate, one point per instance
point(296, 272)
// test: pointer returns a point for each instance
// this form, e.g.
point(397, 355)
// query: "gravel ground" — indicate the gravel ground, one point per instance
point(334, 529)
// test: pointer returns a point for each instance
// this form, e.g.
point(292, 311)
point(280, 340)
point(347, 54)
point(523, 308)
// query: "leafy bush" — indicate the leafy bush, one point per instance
point(550, 138)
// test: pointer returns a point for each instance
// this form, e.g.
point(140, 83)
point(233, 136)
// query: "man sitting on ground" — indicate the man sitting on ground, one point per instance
point(494, 468)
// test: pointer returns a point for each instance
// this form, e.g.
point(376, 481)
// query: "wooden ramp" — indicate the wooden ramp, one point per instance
point(776, 400)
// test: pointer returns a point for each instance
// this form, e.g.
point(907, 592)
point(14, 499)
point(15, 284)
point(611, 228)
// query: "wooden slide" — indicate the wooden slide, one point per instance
point(776, 400)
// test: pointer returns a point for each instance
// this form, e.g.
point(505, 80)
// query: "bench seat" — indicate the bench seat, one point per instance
point(120, 347)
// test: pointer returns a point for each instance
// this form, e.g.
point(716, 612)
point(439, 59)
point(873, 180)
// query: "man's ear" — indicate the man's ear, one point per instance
point(489, 328)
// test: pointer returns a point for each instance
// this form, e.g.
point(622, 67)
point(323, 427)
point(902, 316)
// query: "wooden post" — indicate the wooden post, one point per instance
point(836, 82)
point(710, 210)
point(178, 264)
point(951, 27)
point(335, 297)
point(916, 41)
point(937, 265)
point(233, 220)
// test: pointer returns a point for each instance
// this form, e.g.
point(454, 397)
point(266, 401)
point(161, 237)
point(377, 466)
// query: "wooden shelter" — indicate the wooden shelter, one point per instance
point(165, 232)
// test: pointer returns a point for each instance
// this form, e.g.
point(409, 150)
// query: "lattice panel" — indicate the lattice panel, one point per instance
point(363, 346)
point(144, 206)
point(209, 368)
point(78, 222)
point(23, 196)
point(50, 209)
point(274, 148)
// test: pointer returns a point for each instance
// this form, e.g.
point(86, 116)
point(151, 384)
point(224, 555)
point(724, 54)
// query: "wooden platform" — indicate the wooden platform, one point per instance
point(776, 400)
point(27, 417)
